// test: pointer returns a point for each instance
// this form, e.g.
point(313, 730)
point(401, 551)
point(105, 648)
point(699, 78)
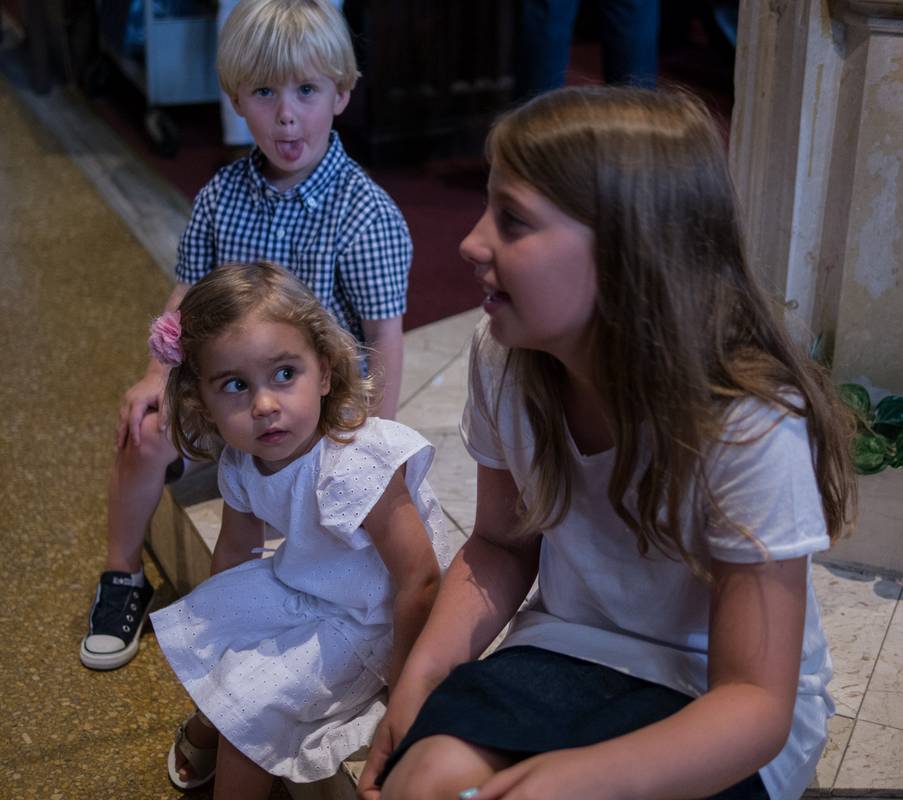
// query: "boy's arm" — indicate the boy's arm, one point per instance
point(386, 342)
point(147, 393)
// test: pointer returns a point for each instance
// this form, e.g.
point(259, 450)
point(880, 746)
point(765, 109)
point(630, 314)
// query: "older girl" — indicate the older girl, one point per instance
point(653, 446)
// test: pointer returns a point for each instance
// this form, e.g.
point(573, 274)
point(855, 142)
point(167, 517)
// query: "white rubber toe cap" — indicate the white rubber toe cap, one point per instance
point(101, 643)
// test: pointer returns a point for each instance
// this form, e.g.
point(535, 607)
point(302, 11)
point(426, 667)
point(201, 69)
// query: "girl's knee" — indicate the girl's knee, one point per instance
point(438, 768)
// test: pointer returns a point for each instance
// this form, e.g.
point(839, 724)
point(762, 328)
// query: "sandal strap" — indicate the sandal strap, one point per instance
point(201, 759)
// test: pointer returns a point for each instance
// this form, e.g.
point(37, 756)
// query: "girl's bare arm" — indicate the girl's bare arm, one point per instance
point(484, 586)
point(738, 726)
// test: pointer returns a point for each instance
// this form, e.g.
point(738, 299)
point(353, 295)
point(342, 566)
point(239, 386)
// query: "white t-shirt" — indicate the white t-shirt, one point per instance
point(599, 600)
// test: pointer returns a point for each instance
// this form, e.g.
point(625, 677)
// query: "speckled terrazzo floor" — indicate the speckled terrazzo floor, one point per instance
point(76, 293)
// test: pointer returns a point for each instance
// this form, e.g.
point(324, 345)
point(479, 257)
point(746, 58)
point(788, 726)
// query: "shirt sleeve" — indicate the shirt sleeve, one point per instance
point(230, 484)
point(764, 500)
point(479, 431)
point(197, 246)
point(373, 268)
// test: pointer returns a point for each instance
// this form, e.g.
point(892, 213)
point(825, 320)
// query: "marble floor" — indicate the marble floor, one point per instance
point(86, 244)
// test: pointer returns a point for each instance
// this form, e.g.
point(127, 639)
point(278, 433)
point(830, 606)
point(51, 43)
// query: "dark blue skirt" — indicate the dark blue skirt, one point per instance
point(524, 700)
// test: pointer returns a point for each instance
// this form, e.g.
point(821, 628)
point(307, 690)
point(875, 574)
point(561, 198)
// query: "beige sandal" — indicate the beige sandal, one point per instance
point(201, 759)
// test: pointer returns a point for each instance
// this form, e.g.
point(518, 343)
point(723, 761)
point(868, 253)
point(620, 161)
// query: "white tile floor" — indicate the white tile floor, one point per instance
point(863, 613)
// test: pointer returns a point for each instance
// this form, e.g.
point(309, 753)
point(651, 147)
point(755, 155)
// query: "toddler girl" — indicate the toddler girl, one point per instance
point(287, 657)
point(652, 445)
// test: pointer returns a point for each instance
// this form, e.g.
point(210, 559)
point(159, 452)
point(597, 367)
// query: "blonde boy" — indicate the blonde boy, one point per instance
point(298, 200)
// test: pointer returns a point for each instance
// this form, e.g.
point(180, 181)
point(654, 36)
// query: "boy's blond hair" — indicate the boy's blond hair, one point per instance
point(267, 42)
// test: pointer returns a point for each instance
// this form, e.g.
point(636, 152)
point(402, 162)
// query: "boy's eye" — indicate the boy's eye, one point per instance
point(234, 385)
point(263, 91)
point(306, 89)
point(284, 374)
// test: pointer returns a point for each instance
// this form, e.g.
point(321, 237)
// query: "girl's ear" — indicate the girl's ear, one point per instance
point(325, 376)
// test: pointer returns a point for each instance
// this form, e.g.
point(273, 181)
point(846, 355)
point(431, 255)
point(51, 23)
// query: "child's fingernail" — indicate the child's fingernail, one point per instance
point(467, 794)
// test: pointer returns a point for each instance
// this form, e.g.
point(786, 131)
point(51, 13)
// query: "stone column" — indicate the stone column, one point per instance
point(816, 152)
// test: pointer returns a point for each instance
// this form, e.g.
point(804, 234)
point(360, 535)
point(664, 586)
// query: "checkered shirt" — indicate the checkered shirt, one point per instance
point(337, 231)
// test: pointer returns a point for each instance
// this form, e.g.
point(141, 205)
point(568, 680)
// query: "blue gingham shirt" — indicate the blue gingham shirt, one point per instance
point(337, 231)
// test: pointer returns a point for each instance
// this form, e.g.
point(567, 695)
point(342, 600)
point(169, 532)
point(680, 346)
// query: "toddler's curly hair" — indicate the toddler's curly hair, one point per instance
point(228, 295)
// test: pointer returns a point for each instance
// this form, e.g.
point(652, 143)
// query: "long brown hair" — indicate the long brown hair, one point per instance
point(227, 295)
point(681, 328)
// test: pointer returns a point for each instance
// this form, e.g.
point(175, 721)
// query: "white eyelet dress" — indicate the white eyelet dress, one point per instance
point(287, 656)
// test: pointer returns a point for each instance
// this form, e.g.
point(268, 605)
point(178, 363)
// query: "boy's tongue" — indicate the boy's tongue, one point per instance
point(289, 150)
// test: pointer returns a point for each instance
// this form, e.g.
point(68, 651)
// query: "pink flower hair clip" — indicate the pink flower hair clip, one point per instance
point(165, 333)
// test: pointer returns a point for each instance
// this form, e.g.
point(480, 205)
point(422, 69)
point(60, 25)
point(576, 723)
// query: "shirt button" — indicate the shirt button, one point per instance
point(280, 233)
point(310, 204)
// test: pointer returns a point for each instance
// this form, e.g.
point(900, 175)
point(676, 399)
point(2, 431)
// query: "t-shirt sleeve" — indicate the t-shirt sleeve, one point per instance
point(197, 246)
point(761, 480)
point(479, 431)
point(354, 476)
point(230, 484)
point(373, 268)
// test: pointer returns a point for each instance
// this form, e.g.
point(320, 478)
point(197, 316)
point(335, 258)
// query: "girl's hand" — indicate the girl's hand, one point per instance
point(563, 775)
point(390, 732)
point(140, 400)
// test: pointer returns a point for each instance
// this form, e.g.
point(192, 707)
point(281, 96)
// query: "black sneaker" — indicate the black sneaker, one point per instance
point(115, 621)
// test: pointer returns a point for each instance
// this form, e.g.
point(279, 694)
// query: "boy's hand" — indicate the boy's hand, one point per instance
point(142, 398)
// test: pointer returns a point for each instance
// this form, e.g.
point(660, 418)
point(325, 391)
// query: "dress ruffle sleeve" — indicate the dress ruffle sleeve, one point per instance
point(228, 478)
point(354, 476)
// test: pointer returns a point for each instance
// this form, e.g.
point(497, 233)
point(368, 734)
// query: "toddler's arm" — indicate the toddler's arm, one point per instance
point(147, 393)
point(239, 534)
point(398, 534)
point(386, 342)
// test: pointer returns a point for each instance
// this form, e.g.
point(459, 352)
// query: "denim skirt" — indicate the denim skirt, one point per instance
point(525, 700)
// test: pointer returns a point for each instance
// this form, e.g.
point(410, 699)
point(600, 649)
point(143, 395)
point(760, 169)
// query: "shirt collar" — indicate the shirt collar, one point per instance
point(311, 187)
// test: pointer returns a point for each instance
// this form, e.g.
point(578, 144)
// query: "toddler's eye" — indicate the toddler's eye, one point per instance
point(284, 374)
point(234, 385)
point(263, 91)
point(306, 89)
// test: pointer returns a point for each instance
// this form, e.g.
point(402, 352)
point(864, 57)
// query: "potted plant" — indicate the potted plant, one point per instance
point(879, 436)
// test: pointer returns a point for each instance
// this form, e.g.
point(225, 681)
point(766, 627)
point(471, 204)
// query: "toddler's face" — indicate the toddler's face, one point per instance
point(291, 124)
point(261, 386)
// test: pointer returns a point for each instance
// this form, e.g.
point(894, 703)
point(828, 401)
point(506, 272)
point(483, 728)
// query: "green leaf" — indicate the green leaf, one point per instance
point(871, 453)
point(857, 398)
point(889, 416)
point(897, 460)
